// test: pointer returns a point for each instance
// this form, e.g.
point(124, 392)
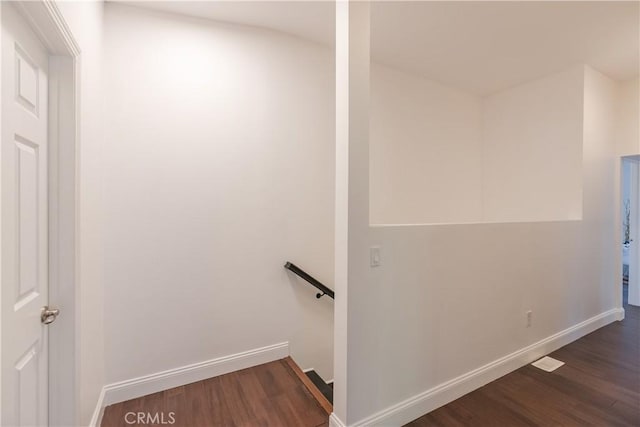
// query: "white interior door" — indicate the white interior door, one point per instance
point(24, 223)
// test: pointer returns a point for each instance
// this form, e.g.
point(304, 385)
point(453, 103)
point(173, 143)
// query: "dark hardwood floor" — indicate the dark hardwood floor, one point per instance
point(599, 385)
point(265, 395)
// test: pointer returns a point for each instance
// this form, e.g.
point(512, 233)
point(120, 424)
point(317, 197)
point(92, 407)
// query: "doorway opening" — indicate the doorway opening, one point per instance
point(630, 230)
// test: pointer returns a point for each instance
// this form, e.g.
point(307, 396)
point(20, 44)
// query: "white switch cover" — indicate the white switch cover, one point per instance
point(374, 254)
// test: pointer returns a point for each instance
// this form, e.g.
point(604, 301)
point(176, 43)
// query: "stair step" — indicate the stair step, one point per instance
point(313, 389)
point(325, 389)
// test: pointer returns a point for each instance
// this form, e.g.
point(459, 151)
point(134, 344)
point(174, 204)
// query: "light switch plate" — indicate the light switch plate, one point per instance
point(374, 256)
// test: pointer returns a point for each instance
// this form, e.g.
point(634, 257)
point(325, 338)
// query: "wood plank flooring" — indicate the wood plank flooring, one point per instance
point(265, 395)
point(599, 385)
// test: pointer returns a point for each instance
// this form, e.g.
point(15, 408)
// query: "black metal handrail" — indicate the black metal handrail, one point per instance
point(306, 276)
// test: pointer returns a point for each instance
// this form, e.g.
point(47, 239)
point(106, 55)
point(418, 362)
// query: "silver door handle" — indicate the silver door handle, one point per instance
point(48, 315)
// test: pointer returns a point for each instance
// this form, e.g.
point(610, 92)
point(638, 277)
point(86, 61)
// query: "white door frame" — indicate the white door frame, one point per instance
point(64, 89)
point(634, 254)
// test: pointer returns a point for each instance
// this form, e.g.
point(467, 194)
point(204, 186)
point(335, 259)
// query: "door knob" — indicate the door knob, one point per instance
point(48, 315)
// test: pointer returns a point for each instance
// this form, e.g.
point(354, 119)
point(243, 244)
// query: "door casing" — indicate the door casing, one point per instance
point(64, 137)
point(634, 255)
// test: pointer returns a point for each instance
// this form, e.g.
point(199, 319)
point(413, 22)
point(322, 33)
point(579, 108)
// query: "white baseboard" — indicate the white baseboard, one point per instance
point(395, 415)
point(420, 404)
point(153, 383)
point(334, 421)
point(98, 412)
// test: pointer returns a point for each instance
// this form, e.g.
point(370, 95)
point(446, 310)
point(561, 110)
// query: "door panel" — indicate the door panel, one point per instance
point(24, 223)
point(26, 156)
point(27, 378)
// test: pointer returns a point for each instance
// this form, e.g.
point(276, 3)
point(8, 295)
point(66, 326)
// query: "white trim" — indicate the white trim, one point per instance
point(334, 421)
point(420, 404)
point(478, 223)
point(634, 250)
point(63, 291)
point(98, 412)
point(47, 20)
point(153, 383)
point(68, 44)
point(1, 173)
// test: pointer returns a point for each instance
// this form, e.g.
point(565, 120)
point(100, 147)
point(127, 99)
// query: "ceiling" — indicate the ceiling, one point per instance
point(484, 47)
point(481, 47)
point(313, 20)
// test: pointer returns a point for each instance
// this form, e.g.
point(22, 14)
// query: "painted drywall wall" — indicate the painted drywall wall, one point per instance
point(443, 156)
point(85, 20)
point(425, 150)
point(341, 223)
point(352, 203)
point(600, 181)
point(532, 150)
point(219, 162)
point(448, 299)
point(628, 117)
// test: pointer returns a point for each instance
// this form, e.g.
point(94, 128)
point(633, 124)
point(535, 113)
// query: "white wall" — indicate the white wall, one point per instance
point(219, 162)
point(425, 151)
point(185, 246)
point(440, 155)
point(449, 299)
point(85, 21)
point(628, 117)
point(600, 180)
point(532, 150)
